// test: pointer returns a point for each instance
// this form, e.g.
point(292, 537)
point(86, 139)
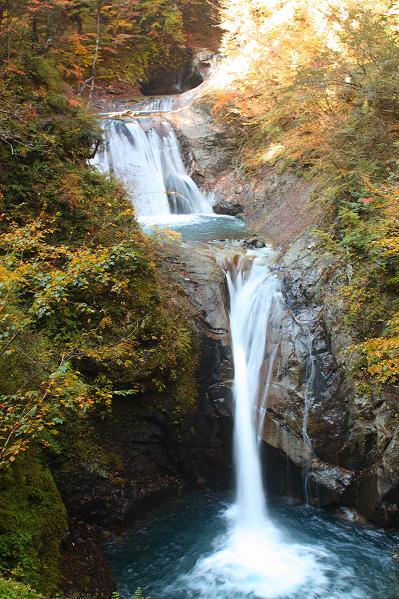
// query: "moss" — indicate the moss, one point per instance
point(9, 589)
point(32, 524)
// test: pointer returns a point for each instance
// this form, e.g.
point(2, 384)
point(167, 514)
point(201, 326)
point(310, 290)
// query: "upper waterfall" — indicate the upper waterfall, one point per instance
point(144, 154)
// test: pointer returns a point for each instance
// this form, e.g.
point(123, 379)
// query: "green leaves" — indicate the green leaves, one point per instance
point(83, 320)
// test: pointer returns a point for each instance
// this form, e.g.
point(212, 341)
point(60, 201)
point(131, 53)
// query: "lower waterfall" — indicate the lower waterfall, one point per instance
point(253, 559)
point(255, 301)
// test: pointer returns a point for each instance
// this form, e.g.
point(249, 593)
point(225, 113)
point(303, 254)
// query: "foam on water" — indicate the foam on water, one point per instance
point(253, 559)
point(144, 154)
point(250, 563)
point(189, 548)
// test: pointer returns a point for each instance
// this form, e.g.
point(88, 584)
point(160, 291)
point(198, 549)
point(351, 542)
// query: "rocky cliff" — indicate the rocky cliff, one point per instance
point(113, 470)
point(326, 439)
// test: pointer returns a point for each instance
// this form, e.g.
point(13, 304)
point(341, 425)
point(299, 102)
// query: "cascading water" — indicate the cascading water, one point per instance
point(253, 560)
point(165, 104)
point(308, 398)
point(255, 300)
point(144, 153)
point(252, 557)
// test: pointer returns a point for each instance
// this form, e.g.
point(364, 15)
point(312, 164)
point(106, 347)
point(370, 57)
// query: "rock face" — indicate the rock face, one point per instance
point(84, 565)
point(206, 438)
point(194, 69)
point(229, 208)
point(324, 439)
point(275, 204)
point(353, 458)
point(207, 144)
point(147, 451)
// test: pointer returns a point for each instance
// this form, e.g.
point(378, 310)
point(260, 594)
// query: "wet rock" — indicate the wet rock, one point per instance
point(84, 567)
point(211, 145)
point(328, 484)
point(349, 514)
point(353, 434)
point(229, 208)
point(354, 453)
point(254, 243)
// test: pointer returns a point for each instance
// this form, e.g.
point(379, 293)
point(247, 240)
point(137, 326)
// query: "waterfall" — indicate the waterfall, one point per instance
point(144, 154)
point(255, 302)
point(252, 559)
point(308, 398)
point(164, 104)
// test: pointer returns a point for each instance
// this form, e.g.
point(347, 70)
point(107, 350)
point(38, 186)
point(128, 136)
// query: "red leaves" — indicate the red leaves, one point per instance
point(42, 6)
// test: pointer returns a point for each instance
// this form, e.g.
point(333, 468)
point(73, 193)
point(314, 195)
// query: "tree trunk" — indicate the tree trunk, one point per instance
point(34, 33)
point(96, 50)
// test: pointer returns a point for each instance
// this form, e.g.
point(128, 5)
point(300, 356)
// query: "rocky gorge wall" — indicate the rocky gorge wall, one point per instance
point(350, 458)
point(113, 470)
point(146, 451)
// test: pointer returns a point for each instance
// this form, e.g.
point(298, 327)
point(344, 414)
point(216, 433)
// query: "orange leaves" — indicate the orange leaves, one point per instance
point(69, 34)
point(10, 67)
point(223, 98)
point(74, 102)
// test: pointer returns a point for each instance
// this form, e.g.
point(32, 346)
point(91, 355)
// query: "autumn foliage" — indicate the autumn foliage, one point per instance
point(314, 86)
point(83, 315)
point(91, 41)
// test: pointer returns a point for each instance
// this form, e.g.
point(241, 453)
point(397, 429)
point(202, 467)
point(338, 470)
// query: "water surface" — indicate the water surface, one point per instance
point(165, 554)
point(196, 227)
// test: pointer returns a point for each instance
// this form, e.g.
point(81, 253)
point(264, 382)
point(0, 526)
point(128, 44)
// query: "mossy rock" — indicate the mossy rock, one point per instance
point(33, 524)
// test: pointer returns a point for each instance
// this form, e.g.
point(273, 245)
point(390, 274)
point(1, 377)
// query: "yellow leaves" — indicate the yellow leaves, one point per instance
point(165, 236)
point(382, 354)
point(35, 415)
point(27, 238)
point(385, 371)
point(53, 275)
point(273, 153)
point(390, 245)
point(105, 322)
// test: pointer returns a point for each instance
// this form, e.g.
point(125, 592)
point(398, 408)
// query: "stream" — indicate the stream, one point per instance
point(209, 545)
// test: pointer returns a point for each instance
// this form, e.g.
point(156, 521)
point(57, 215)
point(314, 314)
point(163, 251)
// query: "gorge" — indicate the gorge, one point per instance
point(199, 326)
point(258, 551)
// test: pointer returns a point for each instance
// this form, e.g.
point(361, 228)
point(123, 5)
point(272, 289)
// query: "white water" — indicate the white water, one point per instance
point(163, 104)
point(144, 154)
point(254, 559)
point(308, 398)
point(255, 301)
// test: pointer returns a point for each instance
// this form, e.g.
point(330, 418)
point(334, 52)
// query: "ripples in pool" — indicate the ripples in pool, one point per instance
point(177, 552)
